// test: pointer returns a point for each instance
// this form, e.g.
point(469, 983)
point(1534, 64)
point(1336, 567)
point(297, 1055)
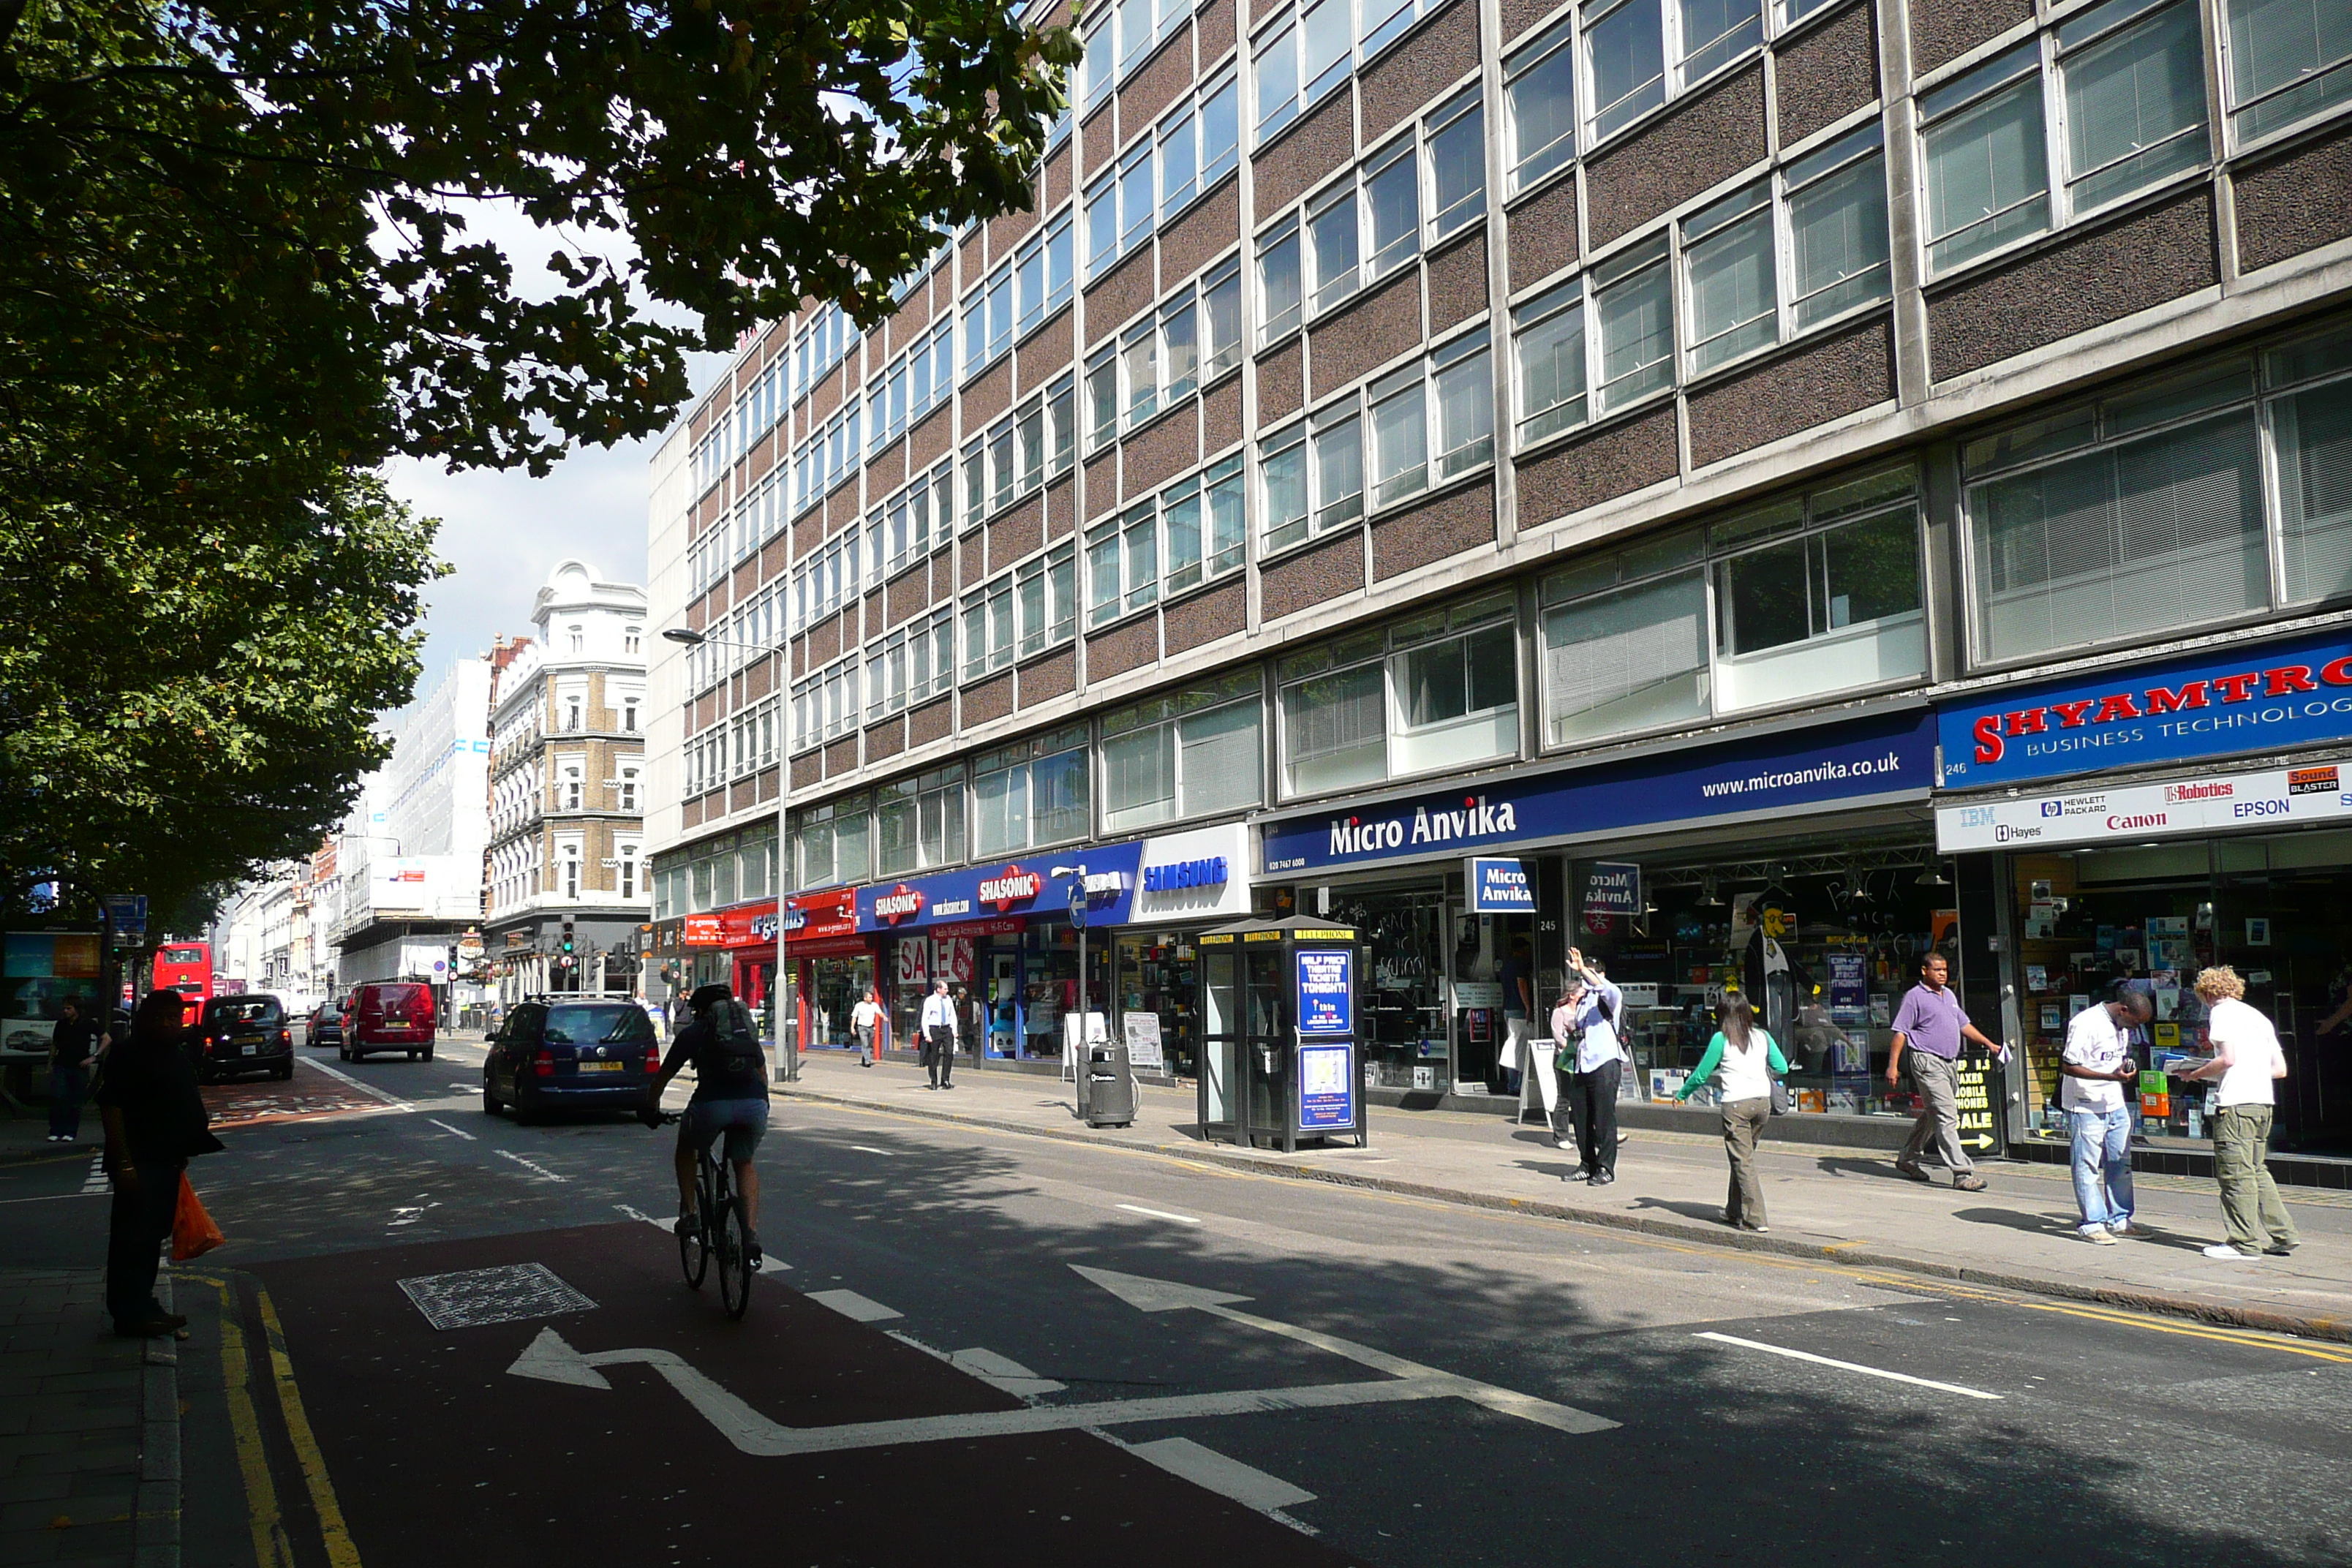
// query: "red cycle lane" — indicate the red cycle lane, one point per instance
point(438, 1451)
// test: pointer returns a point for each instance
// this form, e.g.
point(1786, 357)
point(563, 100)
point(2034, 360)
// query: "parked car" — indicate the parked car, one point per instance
point(389, 1016)
point(324, 1027)
point(247, 1033)
point(552, 1055)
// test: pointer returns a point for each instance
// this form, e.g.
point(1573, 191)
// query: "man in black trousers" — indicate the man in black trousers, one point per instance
point(155, 1121)
point(1586, 1024)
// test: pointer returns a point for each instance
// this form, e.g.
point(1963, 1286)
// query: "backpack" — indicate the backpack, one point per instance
point(733, 1057)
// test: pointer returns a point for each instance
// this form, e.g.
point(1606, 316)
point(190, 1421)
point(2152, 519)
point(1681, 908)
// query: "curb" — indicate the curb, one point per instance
point(2156, 1302)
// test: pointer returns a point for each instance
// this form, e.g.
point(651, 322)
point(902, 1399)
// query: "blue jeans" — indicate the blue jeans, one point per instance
point(67, 1087)
point(2102, 1177)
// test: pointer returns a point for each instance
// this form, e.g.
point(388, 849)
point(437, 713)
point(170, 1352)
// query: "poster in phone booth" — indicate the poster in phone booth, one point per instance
point(1326, 1002)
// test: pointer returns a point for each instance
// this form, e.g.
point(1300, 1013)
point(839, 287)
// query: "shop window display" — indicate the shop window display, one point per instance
point(1158, 974)
point(2149, 918)
point(1408, 1036)
point(1822, 944)
point(832, 987)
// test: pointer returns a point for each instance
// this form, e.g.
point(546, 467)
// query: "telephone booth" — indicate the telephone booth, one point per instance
point(1280, 1056)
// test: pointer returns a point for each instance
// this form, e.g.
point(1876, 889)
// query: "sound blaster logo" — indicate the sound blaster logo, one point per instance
point(2312, 781)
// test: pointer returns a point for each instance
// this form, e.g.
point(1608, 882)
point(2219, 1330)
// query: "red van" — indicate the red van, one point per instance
point(389, 1016)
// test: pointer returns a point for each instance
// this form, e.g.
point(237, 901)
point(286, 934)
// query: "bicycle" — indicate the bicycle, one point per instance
point(724, 1232)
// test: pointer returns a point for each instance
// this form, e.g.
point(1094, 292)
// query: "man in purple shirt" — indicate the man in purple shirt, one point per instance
point(1930, 1026)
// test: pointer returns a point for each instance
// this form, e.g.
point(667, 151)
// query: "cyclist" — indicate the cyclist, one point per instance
point(731, 1096)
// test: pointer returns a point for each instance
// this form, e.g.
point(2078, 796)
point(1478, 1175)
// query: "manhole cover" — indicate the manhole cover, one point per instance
point(476, 1296)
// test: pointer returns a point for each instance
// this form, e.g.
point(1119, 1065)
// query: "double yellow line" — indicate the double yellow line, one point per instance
point(271, 1546)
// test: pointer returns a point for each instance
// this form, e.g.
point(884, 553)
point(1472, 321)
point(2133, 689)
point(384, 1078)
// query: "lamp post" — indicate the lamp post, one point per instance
point(1079, 919)
point(686, 637)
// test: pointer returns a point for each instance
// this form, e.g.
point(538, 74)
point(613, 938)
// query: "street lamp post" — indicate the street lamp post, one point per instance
point(686, 637)
point(1079, 917)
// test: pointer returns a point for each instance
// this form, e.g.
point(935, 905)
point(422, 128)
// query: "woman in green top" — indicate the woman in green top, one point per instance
point(1741, 1059)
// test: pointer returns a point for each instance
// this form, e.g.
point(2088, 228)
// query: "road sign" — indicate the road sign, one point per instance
point(127, 912)
point(1078, 902)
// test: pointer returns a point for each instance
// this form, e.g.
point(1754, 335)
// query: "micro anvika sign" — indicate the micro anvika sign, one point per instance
point(2219, 702)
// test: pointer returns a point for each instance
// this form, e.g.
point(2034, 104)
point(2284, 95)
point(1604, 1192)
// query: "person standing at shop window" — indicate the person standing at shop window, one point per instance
point(1589, 1014)
point(939, 1026)
point(2247, 1059)
point(2094, 1067)
point(1518, 978)
point(970, 1023)
point(1930, 1026)
point(865, 1028)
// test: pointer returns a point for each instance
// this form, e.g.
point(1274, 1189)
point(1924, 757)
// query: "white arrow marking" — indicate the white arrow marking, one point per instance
point(552, 1360)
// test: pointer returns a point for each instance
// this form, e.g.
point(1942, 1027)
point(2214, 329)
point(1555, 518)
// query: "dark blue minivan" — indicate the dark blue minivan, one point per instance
point(554, 1053)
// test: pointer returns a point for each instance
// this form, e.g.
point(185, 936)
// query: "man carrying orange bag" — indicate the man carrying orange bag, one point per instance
point(155, 1122)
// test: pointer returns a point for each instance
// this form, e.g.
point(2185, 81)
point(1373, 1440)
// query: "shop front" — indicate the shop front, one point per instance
point(2142, 822)
point(1797, 868)
point(1188, 883)
point(1004, 933)
point(828, 966)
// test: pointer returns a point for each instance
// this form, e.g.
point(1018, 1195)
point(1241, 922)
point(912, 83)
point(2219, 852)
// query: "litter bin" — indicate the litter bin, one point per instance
point(1110, 1085)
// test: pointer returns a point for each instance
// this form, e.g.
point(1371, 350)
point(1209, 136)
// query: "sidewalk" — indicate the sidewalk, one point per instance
point(1846, 1205)
point(90, 1428)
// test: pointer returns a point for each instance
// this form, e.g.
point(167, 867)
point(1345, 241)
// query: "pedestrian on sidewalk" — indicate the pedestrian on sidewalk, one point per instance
point(939, 1026)
point(2247, 1059)
point(1741, 1059)
point(967, 1037)
point(1930, 1026)
point(1518, 976)
point(1585, 1025)
point(73, 1052)
point(2093, 1070)
point(155, 1122)
point(865, 1022)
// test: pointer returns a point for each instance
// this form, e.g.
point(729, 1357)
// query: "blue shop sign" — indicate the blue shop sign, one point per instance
point(1026, 886)
point(1178, 875)
point(2218, 703)
point(1501, 886)
point(1327, 990)
point(1864, 759)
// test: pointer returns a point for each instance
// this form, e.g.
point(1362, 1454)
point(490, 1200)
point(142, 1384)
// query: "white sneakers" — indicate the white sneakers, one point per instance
point(2096, 1234)
point(2226, 1253)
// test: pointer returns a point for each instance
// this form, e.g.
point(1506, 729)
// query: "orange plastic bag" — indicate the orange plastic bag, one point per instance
point(194, 1234)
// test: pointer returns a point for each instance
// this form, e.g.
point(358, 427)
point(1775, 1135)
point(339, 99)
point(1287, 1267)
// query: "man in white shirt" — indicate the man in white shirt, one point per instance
point(939, 1026)
point(2095, 1067)
point(1589, 1016)
point(865, 1028)
point(2247, 1058)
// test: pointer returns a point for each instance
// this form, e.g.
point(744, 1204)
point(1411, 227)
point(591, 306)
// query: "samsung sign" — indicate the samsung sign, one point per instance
point(1185, 874)
point(1890, 755)
point(2216, 703)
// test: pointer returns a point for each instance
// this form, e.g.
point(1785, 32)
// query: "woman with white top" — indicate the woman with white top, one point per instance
point(2247, 1058)
point(1741, 1059)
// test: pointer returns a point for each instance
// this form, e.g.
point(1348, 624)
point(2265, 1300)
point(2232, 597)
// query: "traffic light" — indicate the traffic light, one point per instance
point(567, 936)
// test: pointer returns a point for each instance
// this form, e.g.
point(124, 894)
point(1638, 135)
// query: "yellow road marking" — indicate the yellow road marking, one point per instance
point(341, 1552)
point(270, 1547)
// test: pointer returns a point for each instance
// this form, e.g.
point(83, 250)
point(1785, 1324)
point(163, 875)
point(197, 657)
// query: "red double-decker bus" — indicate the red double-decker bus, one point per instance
point(186, 968)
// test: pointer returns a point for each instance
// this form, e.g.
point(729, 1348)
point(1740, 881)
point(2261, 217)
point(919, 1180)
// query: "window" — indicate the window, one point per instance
point(631, 873)
point(1278, 280)
point(568, 858)
point(1313, 471)
point(575, 708)
point(629, 704)
point(633, 640)
point(1440, 691)
point(1424, 424)
point(1177, 540)
point(628, 789)
point(1315, 47)
point(2153, 510)
point(1041, 274)
point(830, 578)
point(1642, 52)
point(918, 822)
point(913, 523)
point(1191, 149)
point(571, 784)
point(2125, 80)
point(1565, 371)
point(826, 704)
point(575, 638)
point(899, 396)
point(831, 842)
point(1540, 87)
point(827, 457)
point(1027, 448)
point(1800, 598)
point(1186, 753)
point(1030, 795)
point(1194, 337)
point(2288, 60)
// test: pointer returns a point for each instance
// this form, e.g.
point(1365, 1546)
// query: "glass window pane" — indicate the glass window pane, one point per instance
point(1331, 237)
point(1227, 524)
point(1465, 414)
point(1000, 811)
point(1457, 172)
point(1837, 242)
point(1637, 337)
point(1181, 350)
point(1102, 239)
point(1177, 150)
point(1732, 300)
point(1542, 96)
point(2289, 59)
point(2135, 108)
point(1339, 474)
point(1987, 182)
point(1277, 82)
point(1494, 667)
point(1393, 194)
point(1135, 198)
point(1285, 477)
point(1057, 798)
point(1142, 356)
point(1103, 587)
point(1140, 778)
point(1219, 132)
point(1434, 683)
point(1626, 661)
point(1335, 731)
point(1870, 569)
point(1400, 445)
point(1762, 599)
point(1102, 398)
point(2150, 535)
point(1326, 36)
point(1184, 543)
point(1278, 283)
point(2315, 461)
point(1551, 374)
point(1219, 761)
point(1221, 301)
point(1142, 546)
point(1628, 51)
point(1718, 31)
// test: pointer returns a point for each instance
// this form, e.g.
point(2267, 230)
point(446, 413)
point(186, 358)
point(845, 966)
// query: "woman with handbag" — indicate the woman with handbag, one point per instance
point(155, 1121)
point(1743, 1060)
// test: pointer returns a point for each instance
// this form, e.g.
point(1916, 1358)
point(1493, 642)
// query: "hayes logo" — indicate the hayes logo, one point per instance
point(2180, 792)
point(1010, 887)
point(2312, 781)
point(901, 902)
